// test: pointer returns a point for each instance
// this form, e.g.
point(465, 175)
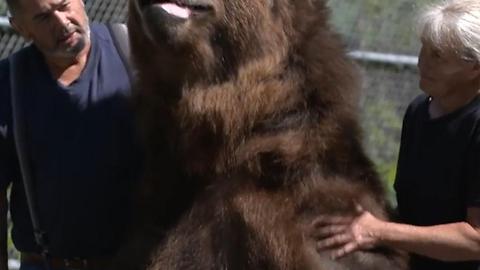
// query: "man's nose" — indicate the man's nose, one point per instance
point(61, 19)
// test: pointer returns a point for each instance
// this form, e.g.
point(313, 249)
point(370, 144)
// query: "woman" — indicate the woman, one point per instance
point(438, 177)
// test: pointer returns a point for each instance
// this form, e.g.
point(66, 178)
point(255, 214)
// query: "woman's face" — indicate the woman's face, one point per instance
point(442, 73)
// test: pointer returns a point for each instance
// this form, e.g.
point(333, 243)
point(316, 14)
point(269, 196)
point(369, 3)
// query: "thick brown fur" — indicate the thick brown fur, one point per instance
point(249, 119)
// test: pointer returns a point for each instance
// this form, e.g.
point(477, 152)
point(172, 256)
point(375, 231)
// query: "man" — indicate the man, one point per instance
point(79, 137)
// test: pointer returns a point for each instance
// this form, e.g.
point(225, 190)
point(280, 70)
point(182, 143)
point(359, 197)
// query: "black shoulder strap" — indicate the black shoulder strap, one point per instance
point(16, 87)
point(119, 34)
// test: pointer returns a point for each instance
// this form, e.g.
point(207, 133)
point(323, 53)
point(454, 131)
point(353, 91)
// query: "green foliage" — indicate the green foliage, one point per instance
point(3, 7)
point(387, 171)
point(383, 127)
point(12, 252)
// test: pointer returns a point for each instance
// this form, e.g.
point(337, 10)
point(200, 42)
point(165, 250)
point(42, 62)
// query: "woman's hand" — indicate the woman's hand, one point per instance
point(346, 234)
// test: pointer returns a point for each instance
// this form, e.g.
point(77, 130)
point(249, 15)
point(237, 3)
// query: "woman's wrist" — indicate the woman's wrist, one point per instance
point(384, 231)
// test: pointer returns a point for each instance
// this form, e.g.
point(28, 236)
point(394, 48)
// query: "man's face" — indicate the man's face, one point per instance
point(58, 28)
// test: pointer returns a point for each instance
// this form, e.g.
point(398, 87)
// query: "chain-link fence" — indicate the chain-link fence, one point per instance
point(390, 81)
point(382, 35)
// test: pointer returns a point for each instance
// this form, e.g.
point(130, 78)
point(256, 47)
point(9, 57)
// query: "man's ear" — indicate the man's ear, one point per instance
point(18, 27)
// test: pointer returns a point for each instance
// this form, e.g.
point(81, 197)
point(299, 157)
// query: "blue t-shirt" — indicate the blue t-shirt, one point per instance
point(84, 151)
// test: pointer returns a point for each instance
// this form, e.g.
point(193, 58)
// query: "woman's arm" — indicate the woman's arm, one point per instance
point(448, 242)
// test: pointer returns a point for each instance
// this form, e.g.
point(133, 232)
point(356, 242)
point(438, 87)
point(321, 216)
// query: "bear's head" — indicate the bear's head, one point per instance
point(232, 71)
point(190, 41)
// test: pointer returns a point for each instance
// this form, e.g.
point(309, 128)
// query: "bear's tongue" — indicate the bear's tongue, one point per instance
point(176, 10)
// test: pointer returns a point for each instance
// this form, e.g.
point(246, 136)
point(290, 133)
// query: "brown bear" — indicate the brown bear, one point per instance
point(248, 112)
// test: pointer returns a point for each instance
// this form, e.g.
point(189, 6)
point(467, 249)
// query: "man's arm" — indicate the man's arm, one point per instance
point(3, 230)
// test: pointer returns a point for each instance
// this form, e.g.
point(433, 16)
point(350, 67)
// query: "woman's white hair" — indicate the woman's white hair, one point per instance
point(452, 26)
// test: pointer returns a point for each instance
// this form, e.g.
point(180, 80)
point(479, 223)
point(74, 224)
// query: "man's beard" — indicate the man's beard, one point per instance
point(77, 47)
point(82, 42)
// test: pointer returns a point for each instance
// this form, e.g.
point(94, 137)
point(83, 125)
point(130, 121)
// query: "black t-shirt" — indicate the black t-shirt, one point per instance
point(84, 152)
point(438, 174)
